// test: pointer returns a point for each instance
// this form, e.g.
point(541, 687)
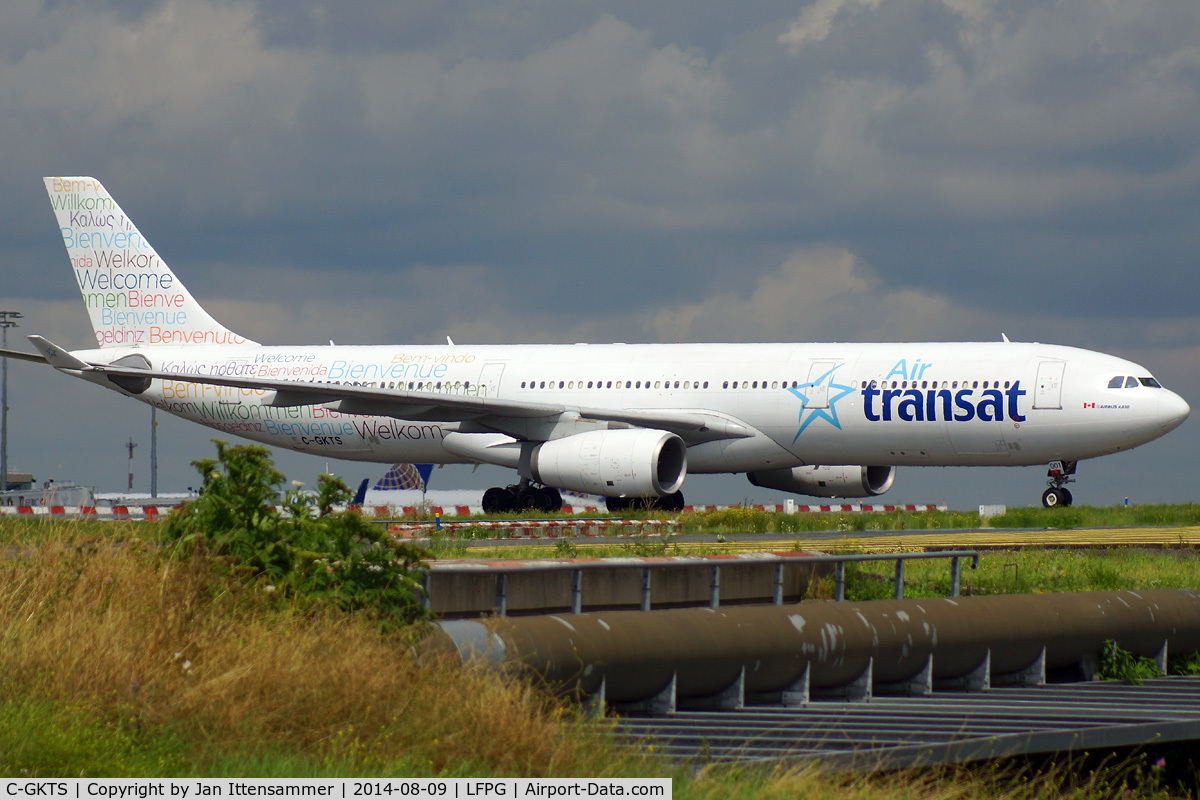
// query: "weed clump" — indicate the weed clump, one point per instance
point(308, 553)
point(1117, 664)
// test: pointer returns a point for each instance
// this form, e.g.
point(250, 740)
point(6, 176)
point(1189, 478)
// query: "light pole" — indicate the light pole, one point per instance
point(132, 444)
point(7, 320)
point(153, 453)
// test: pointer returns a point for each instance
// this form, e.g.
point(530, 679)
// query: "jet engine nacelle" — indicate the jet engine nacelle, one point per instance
point(822, 481)
point(636, 462)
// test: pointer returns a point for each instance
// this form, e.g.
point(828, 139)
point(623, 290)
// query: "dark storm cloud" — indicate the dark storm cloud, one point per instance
point(547, 139)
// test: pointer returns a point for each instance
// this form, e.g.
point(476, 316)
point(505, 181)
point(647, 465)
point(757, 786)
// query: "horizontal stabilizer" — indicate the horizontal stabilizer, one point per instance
point(56, 356)
point(17, 354)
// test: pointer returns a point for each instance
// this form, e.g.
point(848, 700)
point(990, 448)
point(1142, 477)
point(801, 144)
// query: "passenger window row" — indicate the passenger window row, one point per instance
point(934, 384)
point(751, 384)
point(615, 384)
point(1117, 382)
point(756, 384)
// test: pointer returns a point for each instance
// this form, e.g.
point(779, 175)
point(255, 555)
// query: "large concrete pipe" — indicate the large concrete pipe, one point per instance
point(638, 654)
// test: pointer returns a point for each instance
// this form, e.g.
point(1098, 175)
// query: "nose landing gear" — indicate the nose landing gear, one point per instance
point(1058, 476)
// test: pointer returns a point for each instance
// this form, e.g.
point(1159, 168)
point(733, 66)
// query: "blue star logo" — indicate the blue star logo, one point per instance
point(830, 414)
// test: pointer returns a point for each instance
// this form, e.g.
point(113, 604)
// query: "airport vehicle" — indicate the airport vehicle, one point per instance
point(626, 421)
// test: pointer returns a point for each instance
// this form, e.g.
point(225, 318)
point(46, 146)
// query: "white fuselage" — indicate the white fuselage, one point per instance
point(925, 404)
point(622, 420)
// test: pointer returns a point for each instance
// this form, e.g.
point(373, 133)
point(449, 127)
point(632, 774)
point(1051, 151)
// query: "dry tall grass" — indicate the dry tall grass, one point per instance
point(114, 627)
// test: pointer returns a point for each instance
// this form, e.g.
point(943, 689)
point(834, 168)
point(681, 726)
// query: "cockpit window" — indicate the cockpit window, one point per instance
point(1131, 382)
point(1117, 382)
point(1153, 384)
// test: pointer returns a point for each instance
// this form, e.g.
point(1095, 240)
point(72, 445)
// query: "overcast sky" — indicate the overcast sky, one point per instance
point(502, 171)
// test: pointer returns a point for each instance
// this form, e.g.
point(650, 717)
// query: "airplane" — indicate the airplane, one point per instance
point(625, 421)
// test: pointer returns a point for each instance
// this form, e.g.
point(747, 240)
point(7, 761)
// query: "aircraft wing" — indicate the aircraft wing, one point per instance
point(503, 415)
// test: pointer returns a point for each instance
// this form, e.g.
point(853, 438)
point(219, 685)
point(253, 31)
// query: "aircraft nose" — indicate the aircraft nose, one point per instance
point(1172, 410)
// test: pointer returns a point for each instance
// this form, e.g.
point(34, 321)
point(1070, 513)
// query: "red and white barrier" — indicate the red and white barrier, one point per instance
point(535, 529)
point(391, 512)
point(86, 512)
point(846, 507)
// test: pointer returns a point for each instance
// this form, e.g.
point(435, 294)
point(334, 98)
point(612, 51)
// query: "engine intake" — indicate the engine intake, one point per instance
point(637, 462)
point(824, 481)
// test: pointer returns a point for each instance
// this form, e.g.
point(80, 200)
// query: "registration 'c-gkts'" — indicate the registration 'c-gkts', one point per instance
point(621, 420)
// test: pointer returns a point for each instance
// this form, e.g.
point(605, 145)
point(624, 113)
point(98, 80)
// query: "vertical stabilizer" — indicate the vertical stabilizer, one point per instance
point(131, 294)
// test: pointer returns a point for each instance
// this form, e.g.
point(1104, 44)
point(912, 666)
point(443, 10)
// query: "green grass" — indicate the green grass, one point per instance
point(744, 520)
point(1030, 571)
point(55, 737)
point(752, 520)
point(1153, 516)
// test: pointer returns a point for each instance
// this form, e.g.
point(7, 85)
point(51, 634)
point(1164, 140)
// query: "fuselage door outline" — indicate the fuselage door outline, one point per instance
point(817, 394)
point(1048, 386)
point(489, 378)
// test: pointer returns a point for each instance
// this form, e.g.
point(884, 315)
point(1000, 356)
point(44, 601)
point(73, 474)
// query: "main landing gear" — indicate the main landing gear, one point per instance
point(1058, 476)
point(523, 496)
point(672, 502)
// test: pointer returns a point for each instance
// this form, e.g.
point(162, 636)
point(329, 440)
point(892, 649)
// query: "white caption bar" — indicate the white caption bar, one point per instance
point(341, 788)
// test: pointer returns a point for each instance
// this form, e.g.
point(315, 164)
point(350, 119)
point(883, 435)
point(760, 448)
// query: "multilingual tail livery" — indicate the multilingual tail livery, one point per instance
point(131, 295)
point(623, 421)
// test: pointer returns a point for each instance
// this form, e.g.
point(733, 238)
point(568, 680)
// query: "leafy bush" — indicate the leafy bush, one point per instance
point(307, 554)
point(1185, 665)
point(1116, 664)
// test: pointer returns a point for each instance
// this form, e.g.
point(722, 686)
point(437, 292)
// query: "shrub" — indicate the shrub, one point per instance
point(1116, 664)
point(307, 554)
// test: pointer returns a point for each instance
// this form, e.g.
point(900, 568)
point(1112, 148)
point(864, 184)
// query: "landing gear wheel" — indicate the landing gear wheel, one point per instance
point(498, 500)
point(616, 505)
point(672, 502)
point(1053, 498)
point(530, 499)
point(551, 500)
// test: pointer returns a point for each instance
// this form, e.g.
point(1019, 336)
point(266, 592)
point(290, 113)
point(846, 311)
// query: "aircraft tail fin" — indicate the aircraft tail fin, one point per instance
point(130, 293)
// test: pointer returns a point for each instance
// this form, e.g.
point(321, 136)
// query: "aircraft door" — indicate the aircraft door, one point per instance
point(817, 389)
point(489, 378)
point(1048, 389)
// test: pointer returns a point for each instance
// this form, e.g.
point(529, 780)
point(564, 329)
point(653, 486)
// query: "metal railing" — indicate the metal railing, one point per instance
point(776, 561)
